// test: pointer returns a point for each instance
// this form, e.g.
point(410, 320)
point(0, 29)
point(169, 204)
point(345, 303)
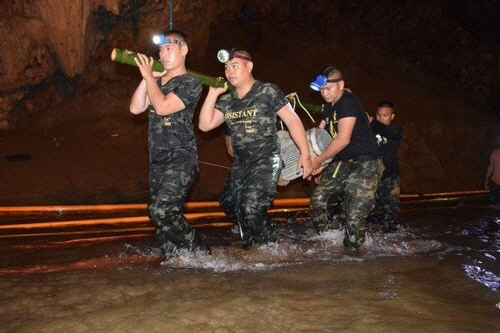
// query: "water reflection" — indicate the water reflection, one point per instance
point(489, 279)
point(440, 272)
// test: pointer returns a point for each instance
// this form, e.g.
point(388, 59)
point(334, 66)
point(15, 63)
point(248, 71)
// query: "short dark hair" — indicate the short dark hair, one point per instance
point(178, 34)
point(242, 53)
point(387, 104)
point(331, 71)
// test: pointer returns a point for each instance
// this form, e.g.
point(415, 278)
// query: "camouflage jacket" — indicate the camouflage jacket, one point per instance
point(252, 120)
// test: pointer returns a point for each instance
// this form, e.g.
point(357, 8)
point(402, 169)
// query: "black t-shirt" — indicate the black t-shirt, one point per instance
point(363, 141)
point(251, 120)
point(388, 137)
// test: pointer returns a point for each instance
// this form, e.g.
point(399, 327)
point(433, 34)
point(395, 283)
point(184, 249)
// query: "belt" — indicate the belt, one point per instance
point(363, 158)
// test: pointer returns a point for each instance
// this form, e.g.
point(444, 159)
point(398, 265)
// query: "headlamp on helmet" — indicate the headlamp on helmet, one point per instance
point(322, 79)
point(164, 40)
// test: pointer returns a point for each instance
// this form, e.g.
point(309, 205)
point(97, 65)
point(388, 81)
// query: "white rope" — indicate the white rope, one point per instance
point(294, 97)
point(215, 165)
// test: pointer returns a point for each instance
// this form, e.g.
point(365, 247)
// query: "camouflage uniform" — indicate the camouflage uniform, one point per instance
point(387, 197)
point(352, 186)
point(250, 186)
point(386, 204)
point(352, 178)
point(173, 161)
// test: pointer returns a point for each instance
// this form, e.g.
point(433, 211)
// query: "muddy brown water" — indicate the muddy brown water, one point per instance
point(439, 273)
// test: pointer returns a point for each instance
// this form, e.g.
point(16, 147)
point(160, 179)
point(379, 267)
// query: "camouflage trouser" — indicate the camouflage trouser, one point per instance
point(351, 184)
point(386, 203)
point(169, 184)
point(494, 195)
point(246, 196)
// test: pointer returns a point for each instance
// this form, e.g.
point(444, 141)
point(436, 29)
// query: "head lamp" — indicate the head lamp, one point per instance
point(320, 81)
point(226, 55)
point(164, 40)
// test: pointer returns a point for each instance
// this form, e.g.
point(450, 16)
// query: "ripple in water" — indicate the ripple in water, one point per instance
point(481, 275)
point(293, 248)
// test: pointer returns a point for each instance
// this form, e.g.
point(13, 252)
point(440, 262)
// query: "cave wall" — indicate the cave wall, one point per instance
point(49, 44)
point(41, 37)
point(43, 40)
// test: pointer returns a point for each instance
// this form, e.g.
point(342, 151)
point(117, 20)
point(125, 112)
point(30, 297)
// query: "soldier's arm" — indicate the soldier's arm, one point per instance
point(491, 167)
point(139, 102)
point(210, 117)
point(148, 91)
point(229, 145)
point(489, 171)
point(292, 121)
point(392, 132)
point(164, 104)
point(345, 128)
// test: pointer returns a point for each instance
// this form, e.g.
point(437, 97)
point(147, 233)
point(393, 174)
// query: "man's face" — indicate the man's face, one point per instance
point(332, 91)
point(237, 70)
point(385, 115)
point(172, 55)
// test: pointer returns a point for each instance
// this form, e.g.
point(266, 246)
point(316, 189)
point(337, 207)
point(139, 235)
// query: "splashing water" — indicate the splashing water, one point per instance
point(293, 248)
point(440, 271)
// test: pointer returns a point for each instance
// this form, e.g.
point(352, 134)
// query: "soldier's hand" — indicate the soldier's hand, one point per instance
point(145, 65)
point(159, 74)
point(305, 163)
point(218, 90)
point(318, 170)
point(316, 164)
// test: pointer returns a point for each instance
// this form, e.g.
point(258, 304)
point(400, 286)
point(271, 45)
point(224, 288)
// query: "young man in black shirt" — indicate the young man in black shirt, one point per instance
point(388, 137)
point(351, 179)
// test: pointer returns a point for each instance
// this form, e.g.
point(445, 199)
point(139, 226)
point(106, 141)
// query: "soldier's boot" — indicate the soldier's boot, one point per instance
point(200, 245)
point(251, 238)
point(320, 220)
point(247, 241)
point(354, 238)
point(168, 248)
point(270, 235)
point(390, 225)
point(374, 218)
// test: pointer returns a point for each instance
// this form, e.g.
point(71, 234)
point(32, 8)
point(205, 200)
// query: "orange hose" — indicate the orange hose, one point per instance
point(125, 220)
point(292, 202)
point(133, 207)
